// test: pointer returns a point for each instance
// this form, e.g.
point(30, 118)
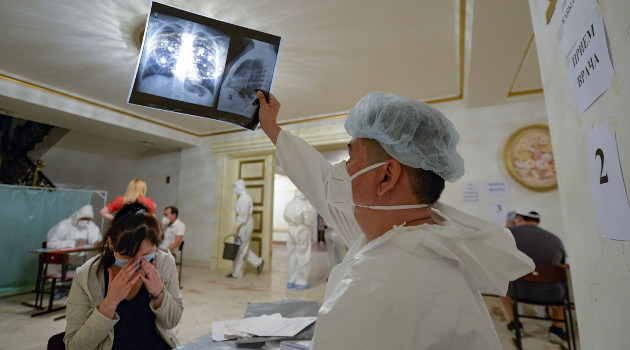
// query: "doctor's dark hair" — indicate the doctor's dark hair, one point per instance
point(426, 185)
point(131, 225)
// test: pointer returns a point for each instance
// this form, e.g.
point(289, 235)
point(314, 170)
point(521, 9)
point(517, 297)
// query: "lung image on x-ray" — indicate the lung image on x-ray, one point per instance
point(182, 60)
point(252, 69)
point(200, 66)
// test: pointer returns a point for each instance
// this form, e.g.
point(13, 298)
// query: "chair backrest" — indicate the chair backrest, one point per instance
point(547, 274)
point(181, 245)
point(55, 258)
point(47, 259)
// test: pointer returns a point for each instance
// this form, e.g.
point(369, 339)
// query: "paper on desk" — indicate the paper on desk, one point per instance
point(219, 332)
point(263, 326)
point(273, 325)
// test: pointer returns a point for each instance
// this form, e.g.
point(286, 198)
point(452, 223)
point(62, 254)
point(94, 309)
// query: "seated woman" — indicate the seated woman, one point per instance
point(128, 296)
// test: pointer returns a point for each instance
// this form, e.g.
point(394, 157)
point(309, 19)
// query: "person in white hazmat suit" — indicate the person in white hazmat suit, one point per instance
point(75, 231)
point(243, 228)
point(301, 216)
point(416, 268)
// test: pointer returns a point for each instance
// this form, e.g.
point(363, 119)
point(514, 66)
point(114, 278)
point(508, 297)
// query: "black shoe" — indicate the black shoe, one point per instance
point(557, 335)
point(512, 326)
point(260, 267)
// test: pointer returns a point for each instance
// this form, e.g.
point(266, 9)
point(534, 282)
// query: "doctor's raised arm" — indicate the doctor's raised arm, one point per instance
point(308, 170)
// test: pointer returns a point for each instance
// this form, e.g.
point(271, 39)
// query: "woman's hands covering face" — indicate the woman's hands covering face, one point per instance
point(151, 278)
point(122, 282)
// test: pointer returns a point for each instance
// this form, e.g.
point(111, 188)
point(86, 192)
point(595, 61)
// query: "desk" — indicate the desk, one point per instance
point(43, 252)
point(287, 308)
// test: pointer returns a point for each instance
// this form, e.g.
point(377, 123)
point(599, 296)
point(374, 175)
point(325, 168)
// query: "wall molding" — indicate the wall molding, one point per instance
point(319, 136)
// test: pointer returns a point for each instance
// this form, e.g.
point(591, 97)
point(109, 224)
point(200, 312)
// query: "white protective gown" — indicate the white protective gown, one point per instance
point(66, 233)
point(415, 287)
point(335, 246)
point(301, 216)
point(244, 208)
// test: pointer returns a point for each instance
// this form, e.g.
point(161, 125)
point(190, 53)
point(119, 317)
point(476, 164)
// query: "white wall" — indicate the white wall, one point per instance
point(599, 268)
point(196, 202)
point(71, 168)
point(484, 131)
point(284, 191)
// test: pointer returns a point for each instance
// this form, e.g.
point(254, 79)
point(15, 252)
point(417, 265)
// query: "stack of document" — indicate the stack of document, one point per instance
point(263, 326)
point(295, 344)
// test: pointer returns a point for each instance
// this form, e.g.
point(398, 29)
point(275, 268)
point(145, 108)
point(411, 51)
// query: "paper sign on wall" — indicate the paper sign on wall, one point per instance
point(590, 68)
point(497, 189)
point(470, 192)
point(498, 212)
point(607, 185)
point(573, 14)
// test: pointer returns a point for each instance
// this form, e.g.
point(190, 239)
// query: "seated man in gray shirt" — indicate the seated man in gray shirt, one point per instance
point(546, 249)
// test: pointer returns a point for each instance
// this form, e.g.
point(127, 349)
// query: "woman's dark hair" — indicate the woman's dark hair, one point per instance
point(131, 225)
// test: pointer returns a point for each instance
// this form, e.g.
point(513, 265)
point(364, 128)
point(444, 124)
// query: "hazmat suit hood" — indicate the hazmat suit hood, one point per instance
point(485, 252)
point(299, 211)
point(85, 211)
point(239, 187)
point(66, 233)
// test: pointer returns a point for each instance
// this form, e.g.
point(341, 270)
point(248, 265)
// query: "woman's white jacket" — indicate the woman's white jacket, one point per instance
point(87, 328)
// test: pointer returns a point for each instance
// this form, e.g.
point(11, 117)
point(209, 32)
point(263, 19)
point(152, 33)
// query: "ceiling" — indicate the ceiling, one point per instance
point(70, 63)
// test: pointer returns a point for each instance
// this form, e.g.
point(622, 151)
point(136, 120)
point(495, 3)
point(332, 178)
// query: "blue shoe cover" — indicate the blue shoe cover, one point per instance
point(302, 286)
point(290, 285)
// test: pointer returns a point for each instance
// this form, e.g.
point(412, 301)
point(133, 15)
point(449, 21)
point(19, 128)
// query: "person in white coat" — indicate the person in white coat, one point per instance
point(416, 268)
point(301, 216)
point(243, 229)
point(77, 230)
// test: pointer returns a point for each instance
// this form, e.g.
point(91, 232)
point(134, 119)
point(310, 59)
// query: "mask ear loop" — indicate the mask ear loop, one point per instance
point(366, 169)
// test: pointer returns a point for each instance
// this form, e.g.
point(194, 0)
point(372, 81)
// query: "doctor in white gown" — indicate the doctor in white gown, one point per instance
point(416, 268)
point(301, 216)
point(77, 230)
point(243, 229)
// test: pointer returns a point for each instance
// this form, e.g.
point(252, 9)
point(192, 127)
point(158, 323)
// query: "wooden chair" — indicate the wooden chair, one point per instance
point(63, 277)
point(179, 261)
point(546, 274)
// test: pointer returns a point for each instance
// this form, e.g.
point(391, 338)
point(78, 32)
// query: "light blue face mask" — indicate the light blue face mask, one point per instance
point(122, 262)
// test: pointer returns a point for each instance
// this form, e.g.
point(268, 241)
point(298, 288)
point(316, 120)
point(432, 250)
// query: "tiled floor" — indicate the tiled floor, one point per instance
point(209, 296)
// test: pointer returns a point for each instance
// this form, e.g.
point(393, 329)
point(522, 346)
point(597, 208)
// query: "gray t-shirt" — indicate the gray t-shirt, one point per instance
point(546, 249)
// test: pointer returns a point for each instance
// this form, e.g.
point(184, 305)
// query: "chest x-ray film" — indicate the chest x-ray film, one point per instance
point(203, 67)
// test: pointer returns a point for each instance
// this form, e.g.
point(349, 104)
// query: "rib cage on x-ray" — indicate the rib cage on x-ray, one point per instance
point(251, 70)
point(182, 60)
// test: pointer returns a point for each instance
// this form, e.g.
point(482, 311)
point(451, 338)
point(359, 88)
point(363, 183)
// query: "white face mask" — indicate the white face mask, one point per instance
point(165, 220)
point(83, 224)
point(340, 190)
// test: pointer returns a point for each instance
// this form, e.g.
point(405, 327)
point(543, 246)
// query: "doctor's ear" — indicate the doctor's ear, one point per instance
point(389, 177)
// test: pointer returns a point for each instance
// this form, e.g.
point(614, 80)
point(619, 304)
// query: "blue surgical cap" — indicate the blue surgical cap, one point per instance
point(410, 131)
